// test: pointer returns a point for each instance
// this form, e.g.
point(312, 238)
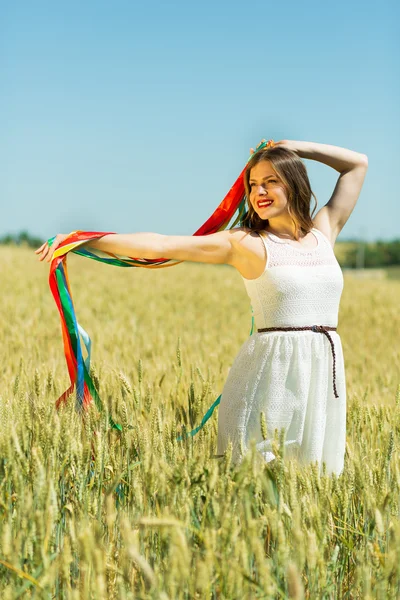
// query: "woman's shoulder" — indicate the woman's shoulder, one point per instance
point(248, 239)
point(249, 254)
point(245, 232)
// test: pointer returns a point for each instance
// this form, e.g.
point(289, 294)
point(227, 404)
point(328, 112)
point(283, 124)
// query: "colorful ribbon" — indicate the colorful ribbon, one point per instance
point(78, 367)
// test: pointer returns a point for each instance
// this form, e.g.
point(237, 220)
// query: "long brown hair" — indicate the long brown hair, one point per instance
point(292, 171)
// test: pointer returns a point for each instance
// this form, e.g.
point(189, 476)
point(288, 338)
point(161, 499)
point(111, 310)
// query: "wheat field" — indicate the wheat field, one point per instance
point(87, 512)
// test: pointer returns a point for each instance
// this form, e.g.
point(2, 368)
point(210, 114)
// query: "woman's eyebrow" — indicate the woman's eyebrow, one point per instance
point(263, 179)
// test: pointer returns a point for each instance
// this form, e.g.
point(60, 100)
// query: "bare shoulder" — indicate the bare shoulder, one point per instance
point(324, 222)
point(243, 234)
point(244, 239)
point(249, 252)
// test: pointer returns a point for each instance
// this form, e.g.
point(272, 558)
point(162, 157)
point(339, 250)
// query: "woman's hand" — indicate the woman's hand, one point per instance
point(289, 144)
point(46, 252)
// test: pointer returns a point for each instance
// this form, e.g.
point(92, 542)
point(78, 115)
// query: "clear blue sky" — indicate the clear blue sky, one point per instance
point(138, 116)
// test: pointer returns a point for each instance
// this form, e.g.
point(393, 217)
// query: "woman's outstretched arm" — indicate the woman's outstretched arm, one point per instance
point(145, 244)
point(215, 248)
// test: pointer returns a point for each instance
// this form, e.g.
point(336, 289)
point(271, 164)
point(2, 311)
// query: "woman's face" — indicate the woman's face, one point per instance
point(265, 185)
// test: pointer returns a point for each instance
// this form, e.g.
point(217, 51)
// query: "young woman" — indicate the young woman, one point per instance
point(292, 368)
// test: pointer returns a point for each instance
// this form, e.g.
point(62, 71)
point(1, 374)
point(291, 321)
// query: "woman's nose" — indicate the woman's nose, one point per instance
point(261, 190)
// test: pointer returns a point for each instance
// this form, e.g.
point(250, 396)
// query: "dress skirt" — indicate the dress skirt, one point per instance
point(288, 376)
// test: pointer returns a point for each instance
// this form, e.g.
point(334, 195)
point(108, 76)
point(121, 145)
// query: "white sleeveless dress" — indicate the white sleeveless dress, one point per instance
point(289, 375)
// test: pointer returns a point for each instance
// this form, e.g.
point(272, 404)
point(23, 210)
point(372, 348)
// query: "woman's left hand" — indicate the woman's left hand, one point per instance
point(289, 144)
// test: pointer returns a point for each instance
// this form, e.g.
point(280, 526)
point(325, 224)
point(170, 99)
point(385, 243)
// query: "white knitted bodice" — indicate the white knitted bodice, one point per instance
point(298, 287)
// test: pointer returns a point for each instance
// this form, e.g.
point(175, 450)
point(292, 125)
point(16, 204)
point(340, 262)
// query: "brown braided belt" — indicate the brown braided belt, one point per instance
point(318, 329)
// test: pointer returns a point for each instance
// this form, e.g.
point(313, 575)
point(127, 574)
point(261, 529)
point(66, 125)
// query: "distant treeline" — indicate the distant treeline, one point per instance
point(371, 254)
point(21, 239)
point(355, 253)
